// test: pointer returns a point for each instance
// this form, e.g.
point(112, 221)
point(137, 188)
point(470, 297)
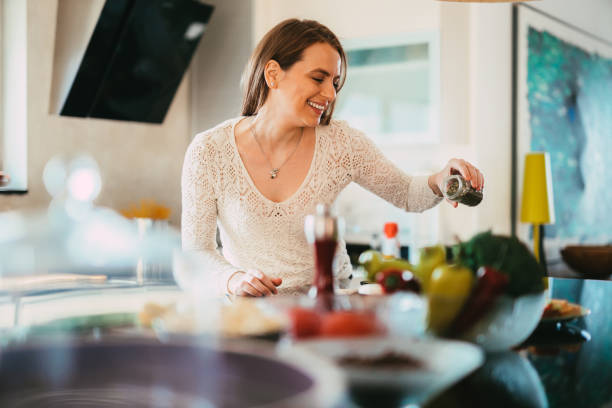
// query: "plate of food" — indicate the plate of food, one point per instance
point(242, 318)
point(396, 370)
point(561, 310)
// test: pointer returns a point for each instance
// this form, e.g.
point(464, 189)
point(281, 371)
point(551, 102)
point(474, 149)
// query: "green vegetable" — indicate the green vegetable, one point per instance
point(374, 262)
point(506, 254)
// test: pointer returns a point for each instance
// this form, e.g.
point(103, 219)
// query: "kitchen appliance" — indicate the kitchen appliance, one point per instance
point(136, 58)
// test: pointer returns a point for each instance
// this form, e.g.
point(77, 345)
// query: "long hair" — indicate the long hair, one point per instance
point(285, 43)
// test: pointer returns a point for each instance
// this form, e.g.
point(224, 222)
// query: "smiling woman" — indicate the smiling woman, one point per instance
point(257, 176)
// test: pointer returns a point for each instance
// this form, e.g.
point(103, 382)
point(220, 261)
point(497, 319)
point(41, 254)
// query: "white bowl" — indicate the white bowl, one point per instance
point(509, 322)
point(441, 364)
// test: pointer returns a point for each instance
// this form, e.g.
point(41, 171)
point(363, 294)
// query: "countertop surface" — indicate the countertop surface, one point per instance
point(564, 365)
point(557, 367)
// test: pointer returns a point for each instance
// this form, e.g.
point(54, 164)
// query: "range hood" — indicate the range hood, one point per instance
point(136, 58)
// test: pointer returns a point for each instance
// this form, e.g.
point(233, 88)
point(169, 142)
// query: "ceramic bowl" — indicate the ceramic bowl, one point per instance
point(396, 371)
point(509, 322)
point(591, 261)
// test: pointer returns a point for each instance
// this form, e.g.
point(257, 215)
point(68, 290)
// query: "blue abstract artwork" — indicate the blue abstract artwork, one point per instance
point(569, 92)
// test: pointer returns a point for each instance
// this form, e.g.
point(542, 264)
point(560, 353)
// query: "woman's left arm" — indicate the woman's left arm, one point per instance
point(376, 173)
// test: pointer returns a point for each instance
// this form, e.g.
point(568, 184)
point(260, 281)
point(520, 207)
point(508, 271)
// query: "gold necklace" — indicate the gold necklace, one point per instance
point(275, 170)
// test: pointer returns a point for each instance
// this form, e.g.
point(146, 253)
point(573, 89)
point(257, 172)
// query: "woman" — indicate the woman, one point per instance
point(259, 175)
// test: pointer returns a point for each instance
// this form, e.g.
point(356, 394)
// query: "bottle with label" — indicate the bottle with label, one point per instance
point(458, 189)
point(390, 243)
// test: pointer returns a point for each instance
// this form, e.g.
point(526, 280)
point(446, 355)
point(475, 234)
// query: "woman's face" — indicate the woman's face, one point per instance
point(308, 87)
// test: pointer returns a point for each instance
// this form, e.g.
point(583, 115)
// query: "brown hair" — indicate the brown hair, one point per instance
point(285, 43)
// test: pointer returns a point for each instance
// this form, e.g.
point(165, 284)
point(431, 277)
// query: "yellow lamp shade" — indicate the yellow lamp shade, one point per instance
point(537, 206)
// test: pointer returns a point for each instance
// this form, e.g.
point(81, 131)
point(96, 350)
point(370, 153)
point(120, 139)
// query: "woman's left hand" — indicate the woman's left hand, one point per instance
point(456, 166)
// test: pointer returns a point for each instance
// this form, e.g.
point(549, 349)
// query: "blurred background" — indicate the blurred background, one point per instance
point(428, 80)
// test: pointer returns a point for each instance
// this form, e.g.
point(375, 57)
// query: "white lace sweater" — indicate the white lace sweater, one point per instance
point(257, 233)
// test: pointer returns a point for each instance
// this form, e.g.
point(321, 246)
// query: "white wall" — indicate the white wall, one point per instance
point(476, 94)
point(594, 16)
point(491, 93)
point(218, 64)
point(78, 20)
point(137, 160)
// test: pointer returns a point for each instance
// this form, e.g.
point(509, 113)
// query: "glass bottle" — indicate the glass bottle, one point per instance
point(457, 189)
point(322, 230)
point(390, 245)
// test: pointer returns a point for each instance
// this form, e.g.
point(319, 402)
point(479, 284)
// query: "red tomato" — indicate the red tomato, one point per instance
point(304, 322)
point(348, 323)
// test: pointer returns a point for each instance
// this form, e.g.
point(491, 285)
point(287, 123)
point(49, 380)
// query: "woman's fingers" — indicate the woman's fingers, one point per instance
point(480, 180)
point(261, 288)
point(463, 167)
point(249, 290)
point(256, 283)
point(264, 279)
point(468, 171)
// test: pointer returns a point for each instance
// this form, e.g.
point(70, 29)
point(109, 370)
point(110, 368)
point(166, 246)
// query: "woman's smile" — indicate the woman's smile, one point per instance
point(317, 107)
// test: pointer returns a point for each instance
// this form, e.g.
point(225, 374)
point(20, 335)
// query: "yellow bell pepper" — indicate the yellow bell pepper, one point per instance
point(449, 288)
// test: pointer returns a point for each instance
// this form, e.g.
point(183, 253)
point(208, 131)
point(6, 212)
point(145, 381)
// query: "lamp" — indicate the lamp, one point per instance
point(537, 205)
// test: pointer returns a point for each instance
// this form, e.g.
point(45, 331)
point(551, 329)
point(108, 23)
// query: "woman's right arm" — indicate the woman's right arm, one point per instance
point(199, 229)
point(199, 219)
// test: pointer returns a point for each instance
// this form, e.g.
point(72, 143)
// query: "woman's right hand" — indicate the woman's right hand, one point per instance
point(253, 283)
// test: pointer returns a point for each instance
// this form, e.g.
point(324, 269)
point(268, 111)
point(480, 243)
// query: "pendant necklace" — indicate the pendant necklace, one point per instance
point(275, 170)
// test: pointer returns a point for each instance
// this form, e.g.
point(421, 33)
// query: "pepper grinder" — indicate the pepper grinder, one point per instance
point(323, 230)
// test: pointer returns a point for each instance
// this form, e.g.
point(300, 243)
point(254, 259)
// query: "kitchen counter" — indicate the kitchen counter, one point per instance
point(567, 368)
point(556, 370)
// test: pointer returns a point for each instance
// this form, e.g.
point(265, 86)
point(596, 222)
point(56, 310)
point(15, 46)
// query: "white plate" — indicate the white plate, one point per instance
point(581, 312)
point(443, 363)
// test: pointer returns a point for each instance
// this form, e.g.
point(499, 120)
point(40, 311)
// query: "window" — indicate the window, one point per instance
point(13, 92)
point(392, 88)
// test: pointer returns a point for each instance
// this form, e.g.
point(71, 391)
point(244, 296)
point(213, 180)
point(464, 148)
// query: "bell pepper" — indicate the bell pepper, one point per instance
point(449, 288)
point(490, 284)
point(374, 262)
point(429, 258)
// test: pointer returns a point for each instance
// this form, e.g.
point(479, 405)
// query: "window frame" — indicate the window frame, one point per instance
point(13, 95)
point(432, 39)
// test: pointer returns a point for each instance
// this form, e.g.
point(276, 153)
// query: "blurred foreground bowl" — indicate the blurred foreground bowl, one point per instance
point(509, 322)
point(140, 373)
point(396, 371)
point(591, 261)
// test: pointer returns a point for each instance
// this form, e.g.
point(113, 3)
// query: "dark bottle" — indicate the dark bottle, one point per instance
point(456, 188)
point(322, 231)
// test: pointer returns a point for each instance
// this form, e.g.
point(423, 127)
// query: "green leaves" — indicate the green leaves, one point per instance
point(506, 254)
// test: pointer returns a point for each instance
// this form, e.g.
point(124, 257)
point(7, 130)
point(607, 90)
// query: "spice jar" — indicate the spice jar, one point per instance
point(456, 188)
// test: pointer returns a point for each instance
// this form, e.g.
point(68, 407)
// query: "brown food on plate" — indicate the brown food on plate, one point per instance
point(388, 360)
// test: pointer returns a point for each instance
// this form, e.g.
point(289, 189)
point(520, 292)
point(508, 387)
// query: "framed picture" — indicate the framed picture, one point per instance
point(392, 88)
point(562, 84)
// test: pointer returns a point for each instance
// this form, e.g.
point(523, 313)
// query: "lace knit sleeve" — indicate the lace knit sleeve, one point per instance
point(378, 174)
point(199, 218)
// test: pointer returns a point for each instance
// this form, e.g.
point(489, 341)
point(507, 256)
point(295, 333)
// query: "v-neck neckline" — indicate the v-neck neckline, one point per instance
point(250, 179)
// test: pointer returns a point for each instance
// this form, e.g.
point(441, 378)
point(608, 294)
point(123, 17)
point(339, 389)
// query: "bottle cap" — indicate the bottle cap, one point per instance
point(390, 229)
